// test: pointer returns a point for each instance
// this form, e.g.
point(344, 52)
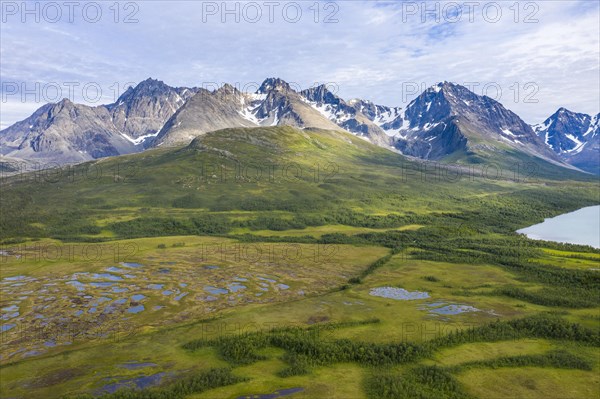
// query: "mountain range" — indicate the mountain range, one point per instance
point(574, 137)
point(446, 123)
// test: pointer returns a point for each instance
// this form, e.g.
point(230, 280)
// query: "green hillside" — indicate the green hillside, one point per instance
point(258, 260)
point(278, 177)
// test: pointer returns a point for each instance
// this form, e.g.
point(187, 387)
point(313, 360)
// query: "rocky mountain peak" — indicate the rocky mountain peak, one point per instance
point(321, 94)
point(147, 88)
point(574, 137)
point(565, 131)
point(63, 106)
point(142, 110)
point(273, 84)
point(65, 102)
point(227, 90)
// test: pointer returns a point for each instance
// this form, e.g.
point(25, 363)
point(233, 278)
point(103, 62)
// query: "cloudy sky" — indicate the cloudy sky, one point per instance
point(533, 57)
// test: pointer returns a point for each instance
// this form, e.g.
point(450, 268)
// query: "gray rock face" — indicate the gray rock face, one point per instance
point(387, 118)
point(441, 140)
point(347, 116)
point(273, 84)
point(448, 118)
point(64, 132)
point(274, 103)
point(143, 110)
point(69, 133)
point(204, 112)
point(480, 120)
point(574, 137)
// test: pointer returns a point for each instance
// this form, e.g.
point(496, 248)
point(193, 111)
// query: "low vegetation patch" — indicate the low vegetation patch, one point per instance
point(198, 383)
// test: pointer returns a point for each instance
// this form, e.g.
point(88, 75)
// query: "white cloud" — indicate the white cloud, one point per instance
point(373, 49)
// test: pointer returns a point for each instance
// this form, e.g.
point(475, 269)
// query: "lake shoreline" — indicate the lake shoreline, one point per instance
point(581, 227)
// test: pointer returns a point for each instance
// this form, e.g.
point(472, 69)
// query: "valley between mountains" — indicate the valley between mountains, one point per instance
point(303, 261)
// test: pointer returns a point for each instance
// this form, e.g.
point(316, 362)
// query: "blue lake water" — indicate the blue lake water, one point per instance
point(131, 265)
point(136, 309)
point(235, 287)
point(114, 269)
point(80, 286)
point(178, 297)
point(398, 293)
point(106, 276)
point(579, 227)
point(137, 382)
point(453, 309)
point(15, 278)
point(102, 284)
point(215, 290)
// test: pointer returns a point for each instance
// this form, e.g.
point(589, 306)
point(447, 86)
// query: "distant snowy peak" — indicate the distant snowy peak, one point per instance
point(274, 103)
point(444, 119)
point(328, 104)
point(249, 104)
point(353, 116)
point(448, 118)
point(594, 128)
point(566, 131)
point(389, 119)
point(574, 137)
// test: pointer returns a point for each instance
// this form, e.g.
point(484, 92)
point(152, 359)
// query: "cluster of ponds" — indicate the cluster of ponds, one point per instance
point(141, 382)
point(113, 295)
point(433, 308)
point(112, 384)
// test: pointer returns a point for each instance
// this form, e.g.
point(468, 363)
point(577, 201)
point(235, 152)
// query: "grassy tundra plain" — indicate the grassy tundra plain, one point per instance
point(265, 260)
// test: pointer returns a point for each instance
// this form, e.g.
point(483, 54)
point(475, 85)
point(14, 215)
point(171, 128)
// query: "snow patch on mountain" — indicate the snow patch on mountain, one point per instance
point(141, 139)
point(578, 144)
point(508, 132)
